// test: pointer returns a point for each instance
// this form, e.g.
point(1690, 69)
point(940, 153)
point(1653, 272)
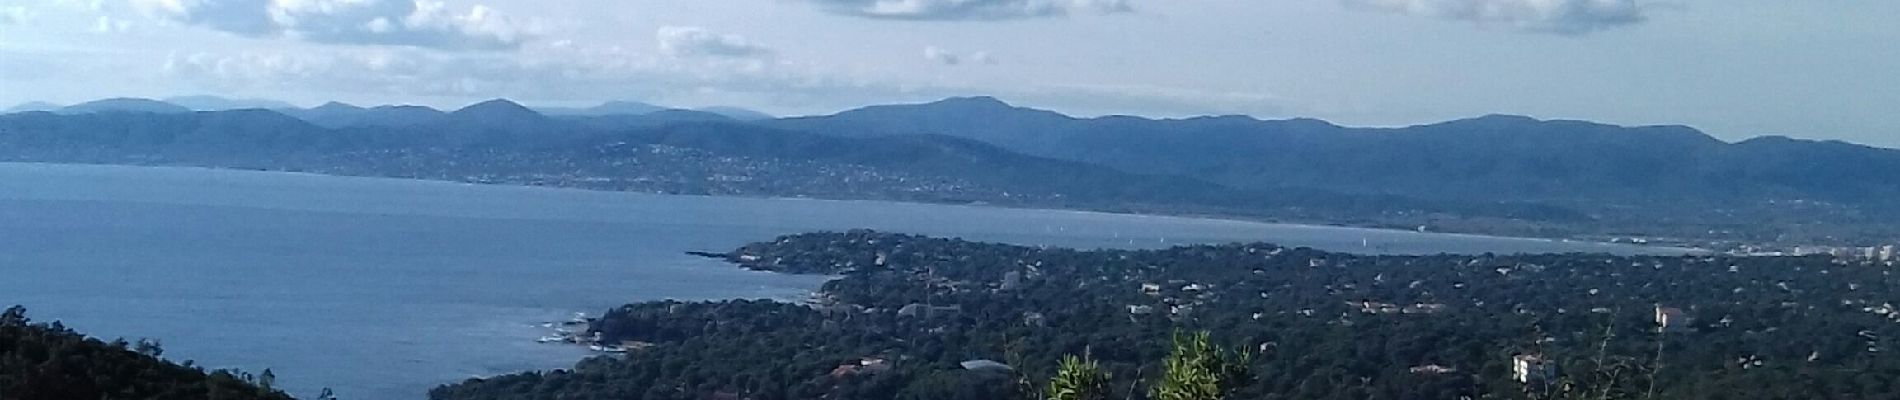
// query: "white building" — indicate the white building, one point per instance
point(1012, 280)
point(1530, 368)
point(1671, 319)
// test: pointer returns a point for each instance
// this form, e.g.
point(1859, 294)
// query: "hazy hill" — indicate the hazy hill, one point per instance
point(497, 113)
point(124, 105)
point(32, 106)
point(623, 108)
point(742, 114)
point(338, 115)
point(945, 156)
point(216, 103)
point(236, 134)
point(616, 107)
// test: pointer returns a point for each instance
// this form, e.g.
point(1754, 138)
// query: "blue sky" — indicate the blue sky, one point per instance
point(1735, 68)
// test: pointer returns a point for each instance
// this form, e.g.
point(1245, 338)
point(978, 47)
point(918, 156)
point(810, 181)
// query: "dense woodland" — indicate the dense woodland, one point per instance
point(47, 361)
point(906, 311)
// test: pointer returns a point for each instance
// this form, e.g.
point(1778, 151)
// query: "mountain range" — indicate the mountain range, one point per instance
point(1495, 157)
point(338, 114)
point(1494, 174)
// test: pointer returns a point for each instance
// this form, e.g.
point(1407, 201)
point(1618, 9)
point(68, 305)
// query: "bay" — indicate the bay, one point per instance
point(384, 288)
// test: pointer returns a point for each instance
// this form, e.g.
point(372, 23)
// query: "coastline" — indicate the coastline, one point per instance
point(297, 187)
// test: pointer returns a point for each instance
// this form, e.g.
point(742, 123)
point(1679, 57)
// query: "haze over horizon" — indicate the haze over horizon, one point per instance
point(1699, 63)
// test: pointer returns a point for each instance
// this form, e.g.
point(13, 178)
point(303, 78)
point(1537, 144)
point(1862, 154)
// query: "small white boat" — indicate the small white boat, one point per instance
point(551, 339)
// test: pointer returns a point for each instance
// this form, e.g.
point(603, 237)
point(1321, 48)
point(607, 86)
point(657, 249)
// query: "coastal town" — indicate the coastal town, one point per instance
point(916, 312)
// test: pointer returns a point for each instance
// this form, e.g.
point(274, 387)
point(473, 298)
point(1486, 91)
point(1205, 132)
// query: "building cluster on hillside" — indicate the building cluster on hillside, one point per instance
point(1692, 301)
point(650, 168)
point(1877, 254)
point(1372, 307)
point(1179, 303)
point(864, 366)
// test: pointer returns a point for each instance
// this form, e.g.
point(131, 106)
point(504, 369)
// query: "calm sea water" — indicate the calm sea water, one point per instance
point(384, 288)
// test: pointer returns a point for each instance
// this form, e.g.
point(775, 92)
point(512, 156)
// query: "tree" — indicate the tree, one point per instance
point(14, 316)
point(1196, 370)
point(267, 381)
point(149, 347)
point(1078, 378)
point(48, 361)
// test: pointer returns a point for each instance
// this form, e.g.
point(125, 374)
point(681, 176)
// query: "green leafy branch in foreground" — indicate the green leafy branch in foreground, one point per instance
point(1194, 370)
point(1078, 378)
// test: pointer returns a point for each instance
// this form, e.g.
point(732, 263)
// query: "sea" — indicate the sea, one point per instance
point(385, 288)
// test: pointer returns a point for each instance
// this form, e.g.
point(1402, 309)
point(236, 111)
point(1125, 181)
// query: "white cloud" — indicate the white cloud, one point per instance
point(941, 56)
point(547, 73)
point(12, 15)
point(947, 57)
point(1567, 17)
point(694, 41)
point(578, 74)
point(107, 24)
point(970, 9)
point(414, 23)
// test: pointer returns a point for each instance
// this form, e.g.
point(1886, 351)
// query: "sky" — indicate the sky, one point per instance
point(1734, 68)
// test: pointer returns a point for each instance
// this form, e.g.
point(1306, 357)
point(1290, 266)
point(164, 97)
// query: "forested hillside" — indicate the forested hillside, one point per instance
point(46, 361)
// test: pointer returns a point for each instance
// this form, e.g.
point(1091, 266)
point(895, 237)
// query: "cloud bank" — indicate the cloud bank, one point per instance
point(687, 41)
point(947, 57)
point(577, 74)
point(12, 15)
point(1564, 17)
point(952, 10)
point(413, 23)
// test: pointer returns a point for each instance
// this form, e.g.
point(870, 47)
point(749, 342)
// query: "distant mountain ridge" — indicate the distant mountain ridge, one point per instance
point(1495, 173)
point(615, 107)
point(510, 142)
point(32, 106)
point(216, 103)
point(1491, 157)
point(124, 105)
point(634, 108)
point(338, 114)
